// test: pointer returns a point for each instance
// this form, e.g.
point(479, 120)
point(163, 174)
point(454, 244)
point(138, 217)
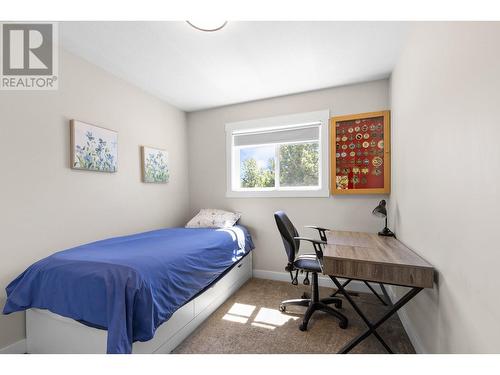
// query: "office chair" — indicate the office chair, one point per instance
point(309, 263)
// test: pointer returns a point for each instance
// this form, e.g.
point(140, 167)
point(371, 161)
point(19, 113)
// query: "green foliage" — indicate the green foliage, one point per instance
point(298, 167)
point(254, 176)
point(299, 164)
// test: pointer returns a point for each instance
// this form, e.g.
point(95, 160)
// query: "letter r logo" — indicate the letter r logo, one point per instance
point(27, 49)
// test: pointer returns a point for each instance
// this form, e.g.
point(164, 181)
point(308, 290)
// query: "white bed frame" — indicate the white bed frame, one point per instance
point(49, 333)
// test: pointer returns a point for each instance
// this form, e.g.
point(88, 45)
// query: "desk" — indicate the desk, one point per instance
point(369, 257)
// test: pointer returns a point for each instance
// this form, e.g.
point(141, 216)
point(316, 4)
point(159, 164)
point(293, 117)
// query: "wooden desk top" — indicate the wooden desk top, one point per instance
point(368, 256)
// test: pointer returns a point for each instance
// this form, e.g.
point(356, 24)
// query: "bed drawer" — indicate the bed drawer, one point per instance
point(49, 333)
point(168, 329)
point(244, 267)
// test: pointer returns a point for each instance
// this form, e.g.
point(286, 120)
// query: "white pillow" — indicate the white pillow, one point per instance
point(212, 218)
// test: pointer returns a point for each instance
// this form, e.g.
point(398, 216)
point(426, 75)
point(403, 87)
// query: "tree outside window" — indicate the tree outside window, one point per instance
point(298, 165)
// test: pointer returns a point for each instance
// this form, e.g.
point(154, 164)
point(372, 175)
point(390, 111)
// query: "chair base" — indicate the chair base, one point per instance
point(305, 301)
point(314, 304)
point(322, 305)
point(325, 308)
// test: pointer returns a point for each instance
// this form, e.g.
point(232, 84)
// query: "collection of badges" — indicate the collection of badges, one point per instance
point(359, 153)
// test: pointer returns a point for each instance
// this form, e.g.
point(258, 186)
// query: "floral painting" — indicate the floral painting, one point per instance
point(93, 148)
point(154, 165)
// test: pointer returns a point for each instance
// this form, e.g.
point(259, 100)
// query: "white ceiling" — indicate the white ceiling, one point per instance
point(242, 62)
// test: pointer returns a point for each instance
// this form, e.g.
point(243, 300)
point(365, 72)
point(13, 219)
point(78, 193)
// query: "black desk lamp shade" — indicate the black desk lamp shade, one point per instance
point(381, 211)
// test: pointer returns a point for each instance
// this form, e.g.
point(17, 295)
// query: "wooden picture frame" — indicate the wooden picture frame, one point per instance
point(368, 170)
point(93, 148)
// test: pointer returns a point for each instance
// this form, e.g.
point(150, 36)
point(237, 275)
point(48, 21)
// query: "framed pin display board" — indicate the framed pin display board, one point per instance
point(360, 154)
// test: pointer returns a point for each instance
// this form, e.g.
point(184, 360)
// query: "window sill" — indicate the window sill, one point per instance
point(323, 193)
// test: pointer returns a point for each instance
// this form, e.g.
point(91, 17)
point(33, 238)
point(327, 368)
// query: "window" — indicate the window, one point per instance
point(280, 156)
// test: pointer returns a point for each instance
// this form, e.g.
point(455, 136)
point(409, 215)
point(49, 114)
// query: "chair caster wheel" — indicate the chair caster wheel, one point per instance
point(343, 324)
point(303, 327)
point(304, 296)
point(282, 308)
point(338, 305)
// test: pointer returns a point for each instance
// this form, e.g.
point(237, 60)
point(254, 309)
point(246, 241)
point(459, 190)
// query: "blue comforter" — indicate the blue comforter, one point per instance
point(128, 285)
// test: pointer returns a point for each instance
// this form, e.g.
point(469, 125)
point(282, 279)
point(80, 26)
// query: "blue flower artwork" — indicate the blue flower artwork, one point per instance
point(154, 165)
point(93, 148)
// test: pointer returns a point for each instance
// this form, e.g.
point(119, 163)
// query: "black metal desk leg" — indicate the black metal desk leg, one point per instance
point(373, 326)
point(386, 296)
point(343, 286)
point(360, 313)
point(385, 301)
point(375, 292)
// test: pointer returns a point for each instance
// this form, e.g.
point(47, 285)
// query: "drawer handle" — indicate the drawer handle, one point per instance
point(239, 265)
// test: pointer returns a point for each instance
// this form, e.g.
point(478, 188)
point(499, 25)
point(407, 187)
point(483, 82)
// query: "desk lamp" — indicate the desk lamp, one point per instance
point(381, 211)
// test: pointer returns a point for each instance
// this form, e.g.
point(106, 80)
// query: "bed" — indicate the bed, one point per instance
point(113, 295)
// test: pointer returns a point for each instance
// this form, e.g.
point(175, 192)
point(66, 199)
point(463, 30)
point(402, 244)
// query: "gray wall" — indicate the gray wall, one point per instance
point(207, 169)
point(445, 194)
point(46, 206)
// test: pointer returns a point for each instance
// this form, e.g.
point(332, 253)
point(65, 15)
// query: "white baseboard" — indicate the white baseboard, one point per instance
point(354, 286)
point(16, 348)
point(407, 324)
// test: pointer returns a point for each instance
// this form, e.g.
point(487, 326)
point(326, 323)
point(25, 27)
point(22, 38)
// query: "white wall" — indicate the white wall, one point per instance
point(207, 169)
point(46, 206)
point(445, 199)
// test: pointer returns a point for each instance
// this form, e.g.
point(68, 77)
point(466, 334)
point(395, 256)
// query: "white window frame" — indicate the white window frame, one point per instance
point(277, 122)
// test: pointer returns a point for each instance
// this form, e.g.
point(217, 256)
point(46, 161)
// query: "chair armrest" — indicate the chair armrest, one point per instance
point(319, 242)
point(321, 231)
point(316, 227)
point(317, 247)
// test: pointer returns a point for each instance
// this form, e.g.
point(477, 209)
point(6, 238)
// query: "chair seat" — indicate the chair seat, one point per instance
point(307, 262)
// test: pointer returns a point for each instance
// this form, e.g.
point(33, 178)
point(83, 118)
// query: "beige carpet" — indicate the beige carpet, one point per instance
point(250, 322)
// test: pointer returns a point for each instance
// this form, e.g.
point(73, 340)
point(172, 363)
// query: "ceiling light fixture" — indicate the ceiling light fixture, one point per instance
point(208, 26)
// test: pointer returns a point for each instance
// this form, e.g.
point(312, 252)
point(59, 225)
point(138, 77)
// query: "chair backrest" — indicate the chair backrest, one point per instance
point(288, 232)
